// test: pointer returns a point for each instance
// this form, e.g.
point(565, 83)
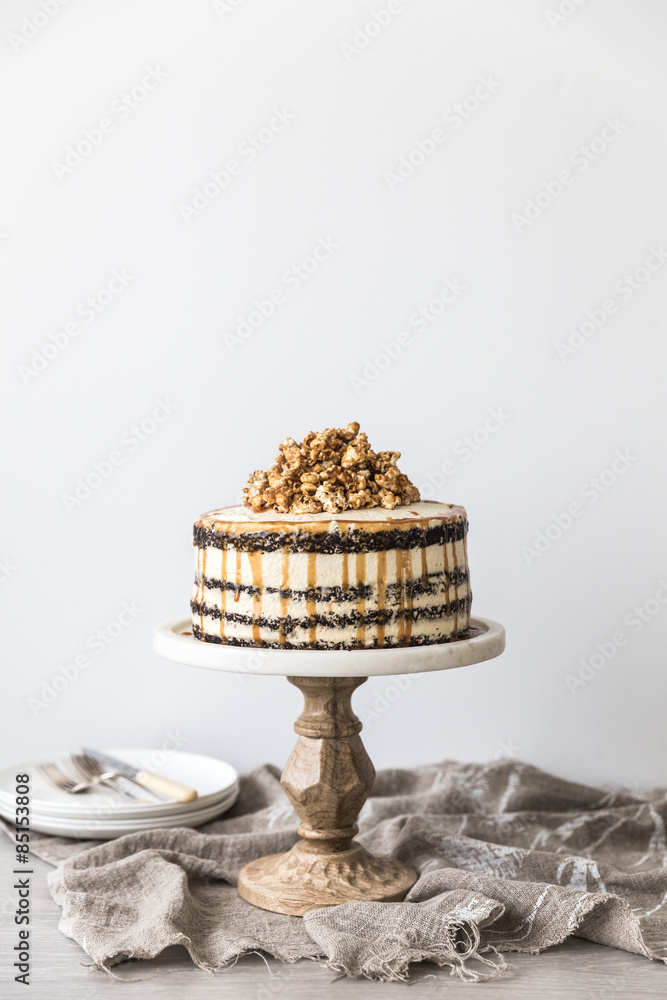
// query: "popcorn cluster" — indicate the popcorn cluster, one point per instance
point(331, 470)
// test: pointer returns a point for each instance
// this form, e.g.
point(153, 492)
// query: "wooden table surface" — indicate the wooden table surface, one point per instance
point(576, 970)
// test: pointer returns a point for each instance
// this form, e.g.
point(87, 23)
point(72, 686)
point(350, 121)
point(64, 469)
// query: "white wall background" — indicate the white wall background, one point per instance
point(557, 79)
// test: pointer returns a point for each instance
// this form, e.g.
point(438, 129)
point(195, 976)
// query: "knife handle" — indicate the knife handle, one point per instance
point(158, 783)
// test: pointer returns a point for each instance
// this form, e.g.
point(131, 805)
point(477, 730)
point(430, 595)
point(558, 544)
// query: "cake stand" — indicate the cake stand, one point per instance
point(329, 775)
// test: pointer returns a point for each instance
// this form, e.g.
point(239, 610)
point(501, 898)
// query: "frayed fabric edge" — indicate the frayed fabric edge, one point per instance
point(449, 953)
point(108, 964)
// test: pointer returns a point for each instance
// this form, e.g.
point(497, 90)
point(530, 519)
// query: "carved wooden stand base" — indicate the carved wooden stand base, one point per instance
point(327, 779)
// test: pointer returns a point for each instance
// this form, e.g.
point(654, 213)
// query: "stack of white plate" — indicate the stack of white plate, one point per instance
point(98, 814)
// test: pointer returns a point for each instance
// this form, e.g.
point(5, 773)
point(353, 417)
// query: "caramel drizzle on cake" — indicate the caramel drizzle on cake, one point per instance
point(237, 588)
point(382, 594)
point(409, 585)
point(400, 582)
point(406, 594)
point(346, 568)
point(203, 585)
point(360, 568)
point(284, 595)
point(456, 592)
point(311, 598)
point(424, 565)
point(223, 592)
point(255, 559)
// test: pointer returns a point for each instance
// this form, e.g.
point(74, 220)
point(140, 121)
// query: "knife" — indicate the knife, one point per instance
point(156, 782)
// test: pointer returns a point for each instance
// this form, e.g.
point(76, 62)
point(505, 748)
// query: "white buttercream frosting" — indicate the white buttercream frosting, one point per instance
point(402, 580)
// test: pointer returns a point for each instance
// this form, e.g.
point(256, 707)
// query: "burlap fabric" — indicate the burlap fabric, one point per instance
point(510, 859)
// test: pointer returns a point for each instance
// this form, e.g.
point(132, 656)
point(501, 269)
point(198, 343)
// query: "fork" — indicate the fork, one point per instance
point(55, 776)
point(92, 770)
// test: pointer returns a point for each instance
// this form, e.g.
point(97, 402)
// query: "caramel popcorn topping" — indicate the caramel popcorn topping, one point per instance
point(331, 470)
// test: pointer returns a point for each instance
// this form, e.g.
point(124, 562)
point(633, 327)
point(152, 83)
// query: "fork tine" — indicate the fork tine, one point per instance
point(80, 764)
point(56, 777)
point(93, 766)
point(48, 772)
point(90, 762)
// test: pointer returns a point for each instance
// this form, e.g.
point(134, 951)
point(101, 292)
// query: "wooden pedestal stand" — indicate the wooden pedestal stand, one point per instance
point(327, 779)
point(329, 775)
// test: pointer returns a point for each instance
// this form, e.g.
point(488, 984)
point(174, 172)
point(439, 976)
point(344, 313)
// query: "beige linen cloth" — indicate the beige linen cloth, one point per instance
point(509, 859)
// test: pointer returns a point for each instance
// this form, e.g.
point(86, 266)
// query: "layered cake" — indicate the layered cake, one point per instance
point(333, 549)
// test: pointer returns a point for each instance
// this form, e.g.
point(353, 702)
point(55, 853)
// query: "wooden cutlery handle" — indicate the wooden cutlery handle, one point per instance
point(158, 783)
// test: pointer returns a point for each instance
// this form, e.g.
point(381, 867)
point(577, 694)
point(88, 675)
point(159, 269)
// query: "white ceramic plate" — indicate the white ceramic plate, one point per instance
point(104, 816)
point(106, 808)
point(105, 829)
point(212, 778)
